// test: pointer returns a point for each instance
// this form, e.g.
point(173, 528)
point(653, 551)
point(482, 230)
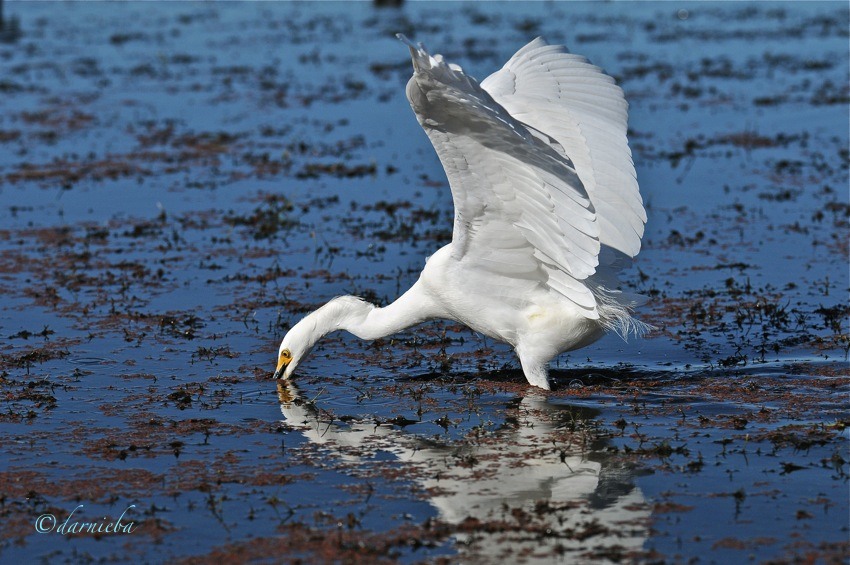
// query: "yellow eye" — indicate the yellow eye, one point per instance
point(286, 355)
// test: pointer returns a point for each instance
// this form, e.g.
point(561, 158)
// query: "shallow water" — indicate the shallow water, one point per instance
point(180, 182)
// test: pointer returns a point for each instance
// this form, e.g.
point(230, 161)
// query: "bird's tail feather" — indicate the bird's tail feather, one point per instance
point(616, 311)
point(616, 307)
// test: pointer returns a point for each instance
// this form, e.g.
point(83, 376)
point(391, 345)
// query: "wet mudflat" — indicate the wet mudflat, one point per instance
point(180, 182)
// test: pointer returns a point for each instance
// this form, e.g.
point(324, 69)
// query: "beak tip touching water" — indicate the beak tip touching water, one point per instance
point(280, 371)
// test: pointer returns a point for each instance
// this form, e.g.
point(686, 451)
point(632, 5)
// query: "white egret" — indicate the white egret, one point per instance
point(546, 206)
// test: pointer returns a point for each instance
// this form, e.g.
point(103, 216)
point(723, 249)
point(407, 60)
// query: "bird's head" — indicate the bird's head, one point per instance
point(296, 344)
point(338, 314)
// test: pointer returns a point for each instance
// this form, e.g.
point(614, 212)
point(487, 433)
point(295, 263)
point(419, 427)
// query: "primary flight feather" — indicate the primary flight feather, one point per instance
point(546, 203)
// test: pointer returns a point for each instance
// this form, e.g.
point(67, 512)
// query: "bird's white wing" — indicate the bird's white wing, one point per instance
point(580, 107)
point(520, 208)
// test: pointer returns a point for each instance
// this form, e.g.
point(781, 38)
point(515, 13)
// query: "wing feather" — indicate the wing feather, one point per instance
point(581, 108)
point(534, 156)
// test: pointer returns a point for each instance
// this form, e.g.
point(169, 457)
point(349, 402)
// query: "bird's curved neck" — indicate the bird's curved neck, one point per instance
point(368, 321)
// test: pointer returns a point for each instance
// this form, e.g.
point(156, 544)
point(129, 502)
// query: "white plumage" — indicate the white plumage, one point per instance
point(546, 207)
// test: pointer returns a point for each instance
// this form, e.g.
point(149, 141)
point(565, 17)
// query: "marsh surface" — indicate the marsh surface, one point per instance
point(180, 182)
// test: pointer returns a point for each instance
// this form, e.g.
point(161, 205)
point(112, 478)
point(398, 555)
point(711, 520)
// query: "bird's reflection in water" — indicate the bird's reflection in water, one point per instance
point(541, 485)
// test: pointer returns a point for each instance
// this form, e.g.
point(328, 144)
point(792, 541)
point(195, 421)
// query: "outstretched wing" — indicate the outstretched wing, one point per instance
point(580, 107)
point(521, 210)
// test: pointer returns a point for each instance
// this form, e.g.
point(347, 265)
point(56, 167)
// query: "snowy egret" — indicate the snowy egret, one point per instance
point(547, 208)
